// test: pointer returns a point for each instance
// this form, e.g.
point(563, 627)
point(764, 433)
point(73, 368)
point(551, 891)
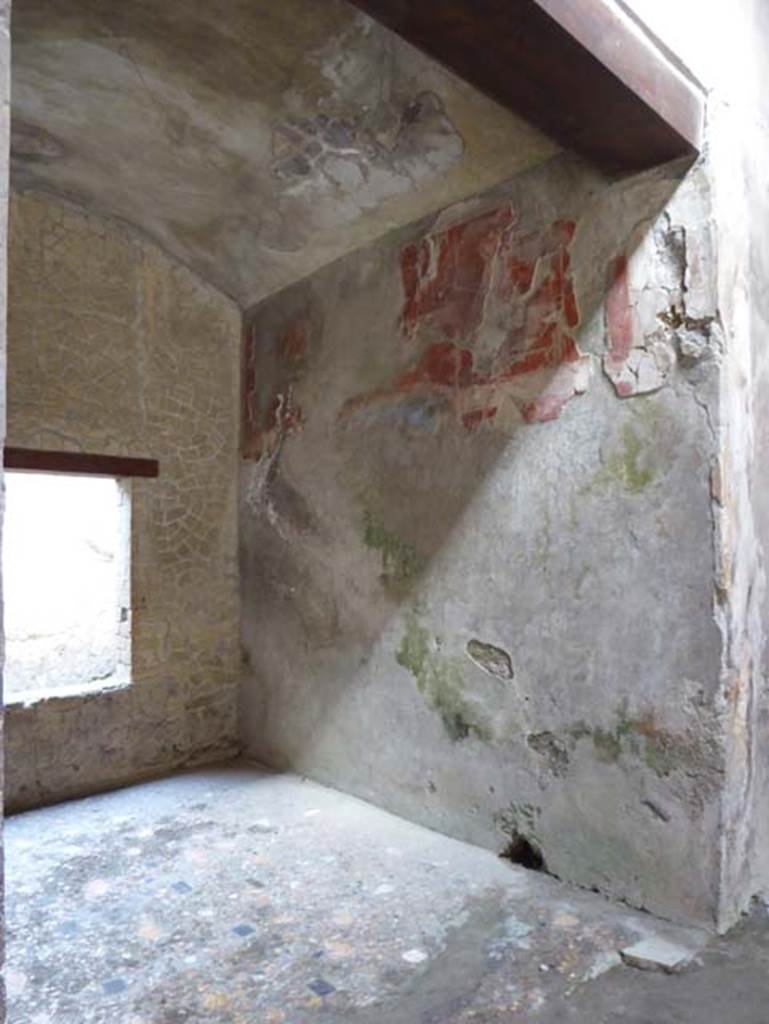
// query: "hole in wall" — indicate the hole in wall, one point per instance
point(523, 852)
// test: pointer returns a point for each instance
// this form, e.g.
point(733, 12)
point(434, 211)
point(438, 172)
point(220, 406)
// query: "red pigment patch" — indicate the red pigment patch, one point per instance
point(619, 317)
point(482, 275)
point(444, 364)
point(293, 343)
point(273, 364)
point(548, 407)
point(472, 420)
point(445, 276)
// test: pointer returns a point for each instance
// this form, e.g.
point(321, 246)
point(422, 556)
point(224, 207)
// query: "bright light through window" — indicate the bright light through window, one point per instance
point(65, 578)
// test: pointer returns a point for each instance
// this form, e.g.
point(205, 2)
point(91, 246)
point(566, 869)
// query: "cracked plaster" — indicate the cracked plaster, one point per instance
point(116, 349)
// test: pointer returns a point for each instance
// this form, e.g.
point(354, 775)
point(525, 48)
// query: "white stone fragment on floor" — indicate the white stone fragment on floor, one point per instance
point(414, 956)
point(654, 954)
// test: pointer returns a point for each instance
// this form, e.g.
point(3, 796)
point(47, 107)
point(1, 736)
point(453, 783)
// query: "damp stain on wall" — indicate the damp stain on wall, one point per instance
point(402, 563)
point(439, 679)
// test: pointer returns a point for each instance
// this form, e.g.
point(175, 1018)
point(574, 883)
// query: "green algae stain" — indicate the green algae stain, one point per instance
point(414, 649)
point(401, 562)
point(607, 743)
point(608, 746)
point(662, 751)
point(626, 463)
point(439, 679)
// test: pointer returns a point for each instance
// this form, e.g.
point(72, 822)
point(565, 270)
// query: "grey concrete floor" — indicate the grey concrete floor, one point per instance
point(234, 895)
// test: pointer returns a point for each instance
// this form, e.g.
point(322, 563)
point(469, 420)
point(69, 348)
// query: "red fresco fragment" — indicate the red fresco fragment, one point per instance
point(548, 407)
point(293, 342)
point(480, 276)
point(521, 275)
point(444, 364)
point(619, 316)
point(472, 420)
point(270, 409)
point(445, 275)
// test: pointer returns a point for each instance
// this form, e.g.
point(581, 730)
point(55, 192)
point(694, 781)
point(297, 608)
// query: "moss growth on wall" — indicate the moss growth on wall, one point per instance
point(414, 649)
point(625, 464)
point(608, 746)
point(401, 562)
point(661, 750)
point(439, 680)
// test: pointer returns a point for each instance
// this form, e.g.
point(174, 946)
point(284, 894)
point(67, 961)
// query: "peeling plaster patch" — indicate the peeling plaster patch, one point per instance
point(655, 313)
point(491, 309)
point(633, 369)
point(696, 337)
point(553, 749)
point(274, 363)
point(491, 659)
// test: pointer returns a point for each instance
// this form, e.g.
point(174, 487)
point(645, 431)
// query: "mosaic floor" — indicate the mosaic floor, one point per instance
point(232, 895)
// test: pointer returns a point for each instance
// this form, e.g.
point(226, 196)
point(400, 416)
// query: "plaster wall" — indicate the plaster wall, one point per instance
point(726, 49)
point(477, 528)
point(114, 348)
point(503, 505)
point(5, 116)
point(740, 132)
point(757, 215)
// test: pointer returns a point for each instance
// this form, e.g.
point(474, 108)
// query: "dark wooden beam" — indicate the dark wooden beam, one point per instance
point(78, 462)
point(578, 69)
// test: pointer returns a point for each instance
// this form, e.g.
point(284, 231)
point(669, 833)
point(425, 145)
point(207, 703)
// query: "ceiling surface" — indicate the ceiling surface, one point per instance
point(255, 141)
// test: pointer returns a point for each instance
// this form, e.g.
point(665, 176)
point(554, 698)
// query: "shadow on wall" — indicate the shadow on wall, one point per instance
point(384, 400)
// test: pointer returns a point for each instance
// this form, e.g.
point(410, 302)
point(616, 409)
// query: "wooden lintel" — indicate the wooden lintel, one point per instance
point(79, 463)
point(580, 70)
